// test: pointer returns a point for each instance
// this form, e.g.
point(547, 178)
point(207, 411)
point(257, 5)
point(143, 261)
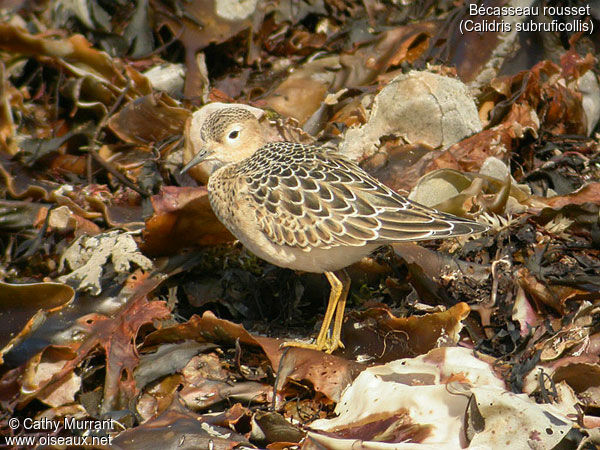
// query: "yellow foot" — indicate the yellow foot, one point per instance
point(329, 339)
point(327, 346)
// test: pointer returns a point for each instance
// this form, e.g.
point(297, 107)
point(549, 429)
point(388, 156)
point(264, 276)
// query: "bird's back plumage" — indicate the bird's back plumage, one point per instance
point(309, 197)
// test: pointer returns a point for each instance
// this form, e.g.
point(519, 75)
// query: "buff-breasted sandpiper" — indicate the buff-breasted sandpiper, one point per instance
point(308, 208)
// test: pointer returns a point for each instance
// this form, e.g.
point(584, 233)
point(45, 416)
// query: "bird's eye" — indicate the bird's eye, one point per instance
point(234, 134)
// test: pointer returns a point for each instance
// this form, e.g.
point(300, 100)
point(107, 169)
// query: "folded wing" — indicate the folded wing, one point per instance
point(310, 197)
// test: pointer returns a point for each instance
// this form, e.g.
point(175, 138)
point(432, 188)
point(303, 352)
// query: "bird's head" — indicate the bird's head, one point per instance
point(230, 135)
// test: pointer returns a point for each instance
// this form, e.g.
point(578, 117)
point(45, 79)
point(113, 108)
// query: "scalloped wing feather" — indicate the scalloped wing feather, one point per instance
point(309, 197)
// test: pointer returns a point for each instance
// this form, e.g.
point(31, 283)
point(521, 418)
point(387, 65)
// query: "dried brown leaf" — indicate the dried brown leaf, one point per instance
point(377, 333)
point(149, 119)
point(182, 217)
point(24, 307)
point(176, 427)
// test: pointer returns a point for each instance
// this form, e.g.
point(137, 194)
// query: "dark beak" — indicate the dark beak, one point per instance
point(200, 156)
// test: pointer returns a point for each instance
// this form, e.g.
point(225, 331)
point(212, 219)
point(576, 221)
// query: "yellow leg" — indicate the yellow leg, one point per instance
point(340, 284)
point(341, 306)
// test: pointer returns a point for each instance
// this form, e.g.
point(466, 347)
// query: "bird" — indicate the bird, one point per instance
point(307, 207)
